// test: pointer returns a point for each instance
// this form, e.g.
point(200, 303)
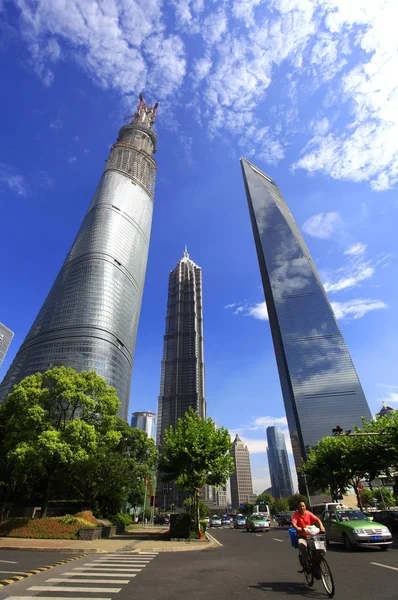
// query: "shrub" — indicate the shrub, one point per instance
point(87, 515)
point(47, 528)
point(72, 520)
point(203, 525)
point(121, 519)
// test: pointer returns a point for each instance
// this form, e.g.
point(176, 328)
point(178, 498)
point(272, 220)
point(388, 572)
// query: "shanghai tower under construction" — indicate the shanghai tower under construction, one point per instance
point(90, 317)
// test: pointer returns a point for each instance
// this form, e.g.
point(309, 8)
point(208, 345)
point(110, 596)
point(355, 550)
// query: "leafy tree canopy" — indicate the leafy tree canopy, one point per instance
point(196, 453)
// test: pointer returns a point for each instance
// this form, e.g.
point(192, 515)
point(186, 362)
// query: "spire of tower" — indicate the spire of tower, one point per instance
point(186, 255)
point(145, 114)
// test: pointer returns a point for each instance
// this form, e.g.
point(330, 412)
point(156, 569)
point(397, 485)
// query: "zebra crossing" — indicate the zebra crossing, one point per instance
point(98, 577)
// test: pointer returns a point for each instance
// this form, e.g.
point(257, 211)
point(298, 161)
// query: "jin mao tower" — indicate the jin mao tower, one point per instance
point(89, 319)
point(182, 373)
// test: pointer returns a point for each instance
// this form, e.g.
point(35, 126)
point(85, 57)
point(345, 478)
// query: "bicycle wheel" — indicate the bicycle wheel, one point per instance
point(326, 577)
point(309, 577)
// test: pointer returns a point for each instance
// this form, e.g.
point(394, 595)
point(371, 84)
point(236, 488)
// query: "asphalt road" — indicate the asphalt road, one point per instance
point(15, 562)
point(248, 566)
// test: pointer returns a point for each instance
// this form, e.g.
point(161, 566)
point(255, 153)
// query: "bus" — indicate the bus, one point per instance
point(317, 509)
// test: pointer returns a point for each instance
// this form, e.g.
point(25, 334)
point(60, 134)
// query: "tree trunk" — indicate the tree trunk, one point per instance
point(197, 517)
point(359, 496)
point(46, 498)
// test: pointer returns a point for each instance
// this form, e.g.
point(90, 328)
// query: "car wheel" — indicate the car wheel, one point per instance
point(247, 529)
point(347, 542)
point(384, 547)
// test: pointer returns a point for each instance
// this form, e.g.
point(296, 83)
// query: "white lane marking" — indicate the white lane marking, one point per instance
point(80, 580)
point(53, 598)
point(10, 562)
point(213, 539)
point(109, 566)
point(385, 566)
point(61, 588)
point(99, 574)
point(14, 572)
point(277, 540)
point(122, 562)
point(96, 569)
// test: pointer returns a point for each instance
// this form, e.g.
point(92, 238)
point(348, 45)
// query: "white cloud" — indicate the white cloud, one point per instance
point(351, 279)
point(368, 149)
point(244, 10)
point(323, 225)
point(356, 309)
point(214, 26)
point(356, 249)
point(12, 180)
point(346, 51)
point(259, 311)
point(320, 126)
point(355, 271)
point(391, 398)
point(56, 123)
point(72, 160)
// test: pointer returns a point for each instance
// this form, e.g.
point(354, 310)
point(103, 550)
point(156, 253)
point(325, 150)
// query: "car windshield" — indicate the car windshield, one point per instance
point(351, 515)
point(257, 518)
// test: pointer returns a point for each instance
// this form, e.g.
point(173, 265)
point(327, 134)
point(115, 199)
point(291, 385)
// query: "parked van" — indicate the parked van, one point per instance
point(317, 509)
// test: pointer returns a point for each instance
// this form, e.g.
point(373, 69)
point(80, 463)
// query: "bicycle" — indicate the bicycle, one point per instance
point(316, 565)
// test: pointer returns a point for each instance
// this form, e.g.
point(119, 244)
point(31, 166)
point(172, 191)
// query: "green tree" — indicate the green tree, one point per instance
point(246, 509)
point(367, 497)
point(266, 499)
point(295, 499)
point(117, 471)
point(51, 420)
point(189, 506)
point(384, 497)
point(194, 454)
point(281, 505)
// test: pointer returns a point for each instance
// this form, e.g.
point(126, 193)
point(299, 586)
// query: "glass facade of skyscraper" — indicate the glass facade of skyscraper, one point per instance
point(319, 383)
point(145, 421)
point(182, 376)
point(241, 479)
point(6, 336)
point(278, 460)
point(90, 317)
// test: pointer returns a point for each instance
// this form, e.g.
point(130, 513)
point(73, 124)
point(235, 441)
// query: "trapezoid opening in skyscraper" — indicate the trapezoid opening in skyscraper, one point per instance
point(320, 386)
point(90, 317)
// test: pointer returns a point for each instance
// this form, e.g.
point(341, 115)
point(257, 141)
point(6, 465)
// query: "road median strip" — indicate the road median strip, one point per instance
point(23, 575)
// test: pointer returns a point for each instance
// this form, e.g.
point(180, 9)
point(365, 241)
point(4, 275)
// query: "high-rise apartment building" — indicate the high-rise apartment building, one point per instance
point(278, 460)
point(182, 373)
point(6, 336)
point(145, 421)
point(241, 479)
point(319, 383)
point(89, 319)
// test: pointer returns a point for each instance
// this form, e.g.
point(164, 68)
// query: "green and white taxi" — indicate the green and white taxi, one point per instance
point(352, 528)
point(257, 522)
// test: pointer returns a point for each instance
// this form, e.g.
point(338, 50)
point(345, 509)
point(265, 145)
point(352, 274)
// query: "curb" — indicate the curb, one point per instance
point(213, 539)
point(15, 578)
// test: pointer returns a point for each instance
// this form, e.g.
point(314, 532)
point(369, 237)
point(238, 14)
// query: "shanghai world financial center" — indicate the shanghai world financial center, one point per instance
point(320, 386)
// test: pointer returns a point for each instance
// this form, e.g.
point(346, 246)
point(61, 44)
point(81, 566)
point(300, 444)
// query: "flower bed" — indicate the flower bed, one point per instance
point(47, 528)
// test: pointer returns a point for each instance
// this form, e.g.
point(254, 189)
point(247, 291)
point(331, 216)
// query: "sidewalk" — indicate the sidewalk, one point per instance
point(150, 539)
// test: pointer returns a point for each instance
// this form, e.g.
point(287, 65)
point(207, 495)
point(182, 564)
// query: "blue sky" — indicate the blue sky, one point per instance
point(306, 90)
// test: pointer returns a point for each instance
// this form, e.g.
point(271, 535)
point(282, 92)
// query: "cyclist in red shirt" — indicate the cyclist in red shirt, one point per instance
point(301, 519)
